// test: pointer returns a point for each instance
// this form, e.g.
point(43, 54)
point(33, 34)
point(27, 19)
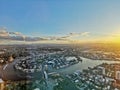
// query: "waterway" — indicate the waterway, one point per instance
point(84, 65)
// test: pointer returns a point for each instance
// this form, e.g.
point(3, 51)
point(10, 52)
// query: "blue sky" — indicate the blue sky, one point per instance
point(60, 17)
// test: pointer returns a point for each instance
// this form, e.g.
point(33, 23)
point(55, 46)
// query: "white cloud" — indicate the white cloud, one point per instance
point(18, 36)
point(85, 34)
point(3, 32)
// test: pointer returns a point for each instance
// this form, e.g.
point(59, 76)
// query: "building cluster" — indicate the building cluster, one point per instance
point(97, 78)
point(28, 65)
point(60, 61)
point(5, 57)
point(100, 55)
point(51, 59)
point(99, 52)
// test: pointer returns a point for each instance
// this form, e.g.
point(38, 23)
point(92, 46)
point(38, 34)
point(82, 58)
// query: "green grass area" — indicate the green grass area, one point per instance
point(65, 84)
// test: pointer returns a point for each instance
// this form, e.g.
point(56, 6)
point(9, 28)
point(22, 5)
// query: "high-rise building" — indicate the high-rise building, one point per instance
point(117, 75)
point(102, 69)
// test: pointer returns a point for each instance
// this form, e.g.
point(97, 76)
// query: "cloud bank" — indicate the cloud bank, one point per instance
point(18, 36)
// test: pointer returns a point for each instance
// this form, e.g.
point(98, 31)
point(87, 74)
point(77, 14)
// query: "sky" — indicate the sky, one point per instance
point(59, 21)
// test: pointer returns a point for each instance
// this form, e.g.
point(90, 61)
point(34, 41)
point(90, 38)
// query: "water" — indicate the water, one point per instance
point(84, 65)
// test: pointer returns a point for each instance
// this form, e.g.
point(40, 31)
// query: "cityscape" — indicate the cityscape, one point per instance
point(59, 45)
point(48, 67)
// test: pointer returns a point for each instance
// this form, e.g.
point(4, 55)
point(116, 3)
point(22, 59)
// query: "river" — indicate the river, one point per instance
point(84, 65)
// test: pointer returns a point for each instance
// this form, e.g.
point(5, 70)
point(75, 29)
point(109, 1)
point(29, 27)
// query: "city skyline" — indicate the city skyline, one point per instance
point(59, 21)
